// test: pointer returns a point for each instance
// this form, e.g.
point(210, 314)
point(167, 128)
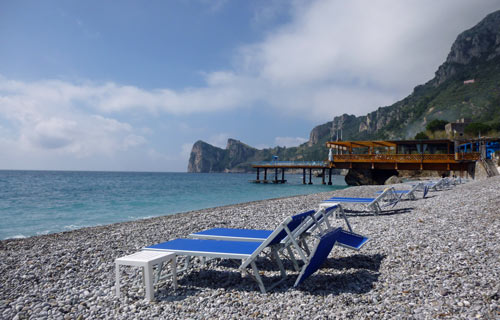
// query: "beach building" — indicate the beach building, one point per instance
point(456, 129)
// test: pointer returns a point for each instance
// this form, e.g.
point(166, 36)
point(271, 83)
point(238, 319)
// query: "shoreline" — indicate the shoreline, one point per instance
point(426, 259)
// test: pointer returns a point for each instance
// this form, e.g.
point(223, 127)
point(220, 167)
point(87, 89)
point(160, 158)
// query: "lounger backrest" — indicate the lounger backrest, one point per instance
point(315, 220)
point(295, 222)
point(387, 193)
point(278, 235)
point(416, 187)
point(318, 255)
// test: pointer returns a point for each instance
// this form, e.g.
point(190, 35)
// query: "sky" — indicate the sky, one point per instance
point(131, 85)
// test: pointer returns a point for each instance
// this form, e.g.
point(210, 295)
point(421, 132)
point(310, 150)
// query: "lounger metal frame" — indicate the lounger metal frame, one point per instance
point(389, 196)
point(247, 259)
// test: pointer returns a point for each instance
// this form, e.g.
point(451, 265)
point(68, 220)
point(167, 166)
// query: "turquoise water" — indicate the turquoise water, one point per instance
point(41, 202)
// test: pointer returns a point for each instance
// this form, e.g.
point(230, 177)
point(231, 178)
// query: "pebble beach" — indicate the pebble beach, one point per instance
point(433, 258)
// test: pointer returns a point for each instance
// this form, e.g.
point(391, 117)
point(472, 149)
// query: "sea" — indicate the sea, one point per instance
point(42, 202)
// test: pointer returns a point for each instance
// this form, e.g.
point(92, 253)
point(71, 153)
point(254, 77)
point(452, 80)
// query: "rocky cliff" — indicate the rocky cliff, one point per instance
point(234, 158)
point(206, 158)
point(474, 55)
point(482, 42)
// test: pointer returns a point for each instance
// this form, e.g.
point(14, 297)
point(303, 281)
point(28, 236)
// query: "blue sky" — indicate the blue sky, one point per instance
point(131, 85)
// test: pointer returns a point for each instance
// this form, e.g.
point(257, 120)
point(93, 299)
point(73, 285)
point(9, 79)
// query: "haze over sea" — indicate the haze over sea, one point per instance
point(41, 202)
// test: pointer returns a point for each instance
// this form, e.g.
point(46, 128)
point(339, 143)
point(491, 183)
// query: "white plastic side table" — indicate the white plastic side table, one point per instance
point(146, 260)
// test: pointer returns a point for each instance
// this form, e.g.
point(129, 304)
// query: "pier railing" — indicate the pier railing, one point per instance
point(406, 158)
point(291, 164)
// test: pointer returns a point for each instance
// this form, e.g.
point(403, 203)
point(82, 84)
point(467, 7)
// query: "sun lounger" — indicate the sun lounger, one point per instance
point(318, 255)
point(440, 184)
point(318, 220)
point(410, 194)
point(373, 204)
point(232, 234)
point(323, 248)
point(246, 251)
point(306, 220)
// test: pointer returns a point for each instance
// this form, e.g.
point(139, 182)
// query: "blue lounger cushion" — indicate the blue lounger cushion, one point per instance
point(207, 246)
point(346, 199)
point(319, 255)
point(346, 239)
point(251, 234)
point(351, 240)
point(240, 234)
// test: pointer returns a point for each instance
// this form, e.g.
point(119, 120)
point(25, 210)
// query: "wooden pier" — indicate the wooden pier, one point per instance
point(306, 166)
point(433, 155)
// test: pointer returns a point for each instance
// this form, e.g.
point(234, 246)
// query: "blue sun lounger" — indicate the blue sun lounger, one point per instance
point(438, 185)
point(233, 234)
point(410, 194)
point(321, 251)
point(348, 239)
point(246, 251)
point(373, 204)
point(319, 254)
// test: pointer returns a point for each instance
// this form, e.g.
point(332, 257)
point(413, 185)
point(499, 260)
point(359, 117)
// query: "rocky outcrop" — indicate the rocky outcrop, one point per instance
point(359, 177)
point(206, 158)
point(319, 133)
point(482, 42)
point(393, 180)
point(343, 126)
point(238, 152)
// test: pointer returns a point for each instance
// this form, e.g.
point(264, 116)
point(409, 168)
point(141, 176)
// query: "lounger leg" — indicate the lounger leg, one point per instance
point(174, 272)
point(345, 219)
point(148, 278)
point(306, 248)
point(292, 257)
point(328, 226)
point(257, 277)
point(280, 264)
point(187, 262)
point(117, 282)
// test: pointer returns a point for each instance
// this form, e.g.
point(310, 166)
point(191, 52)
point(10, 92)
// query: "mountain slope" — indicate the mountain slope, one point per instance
point(475, 55)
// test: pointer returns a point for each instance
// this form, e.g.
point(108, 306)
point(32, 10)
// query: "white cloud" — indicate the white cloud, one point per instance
point(333, 57)
point(389, 45)
point(289, 141)
point(48, 118)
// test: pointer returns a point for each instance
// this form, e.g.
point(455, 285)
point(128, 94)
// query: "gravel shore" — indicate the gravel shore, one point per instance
point(431, 258)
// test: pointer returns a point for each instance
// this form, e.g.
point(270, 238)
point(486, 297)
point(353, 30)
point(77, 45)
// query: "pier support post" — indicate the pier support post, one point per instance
point(329, 176)
point(265, 175)
point(310, 176)
point(323, 176)
point(276, 175)
point(283, 175)
point(304, 176)
point(258, 175)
